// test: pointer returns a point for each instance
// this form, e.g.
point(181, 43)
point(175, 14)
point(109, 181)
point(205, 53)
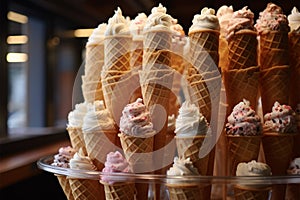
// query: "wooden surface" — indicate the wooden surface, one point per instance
point(17, 167)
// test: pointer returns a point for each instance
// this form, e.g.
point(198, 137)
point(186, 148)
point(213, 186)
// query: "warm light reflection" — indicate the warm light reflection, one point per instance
point(17, 57)
point(83, 32)
point(17, 17)
point(17, 39)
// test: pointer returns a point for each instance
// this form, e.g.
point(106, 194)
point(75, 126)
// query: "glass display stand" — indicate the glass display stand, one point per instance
point(221, 185)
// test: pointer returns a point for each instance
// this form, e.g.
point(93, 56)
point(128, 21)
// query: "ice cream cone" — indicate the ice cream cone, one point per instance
point(133, 148)
point(76, 138)
point(65, 185)
point(241, 84)
point(94, 61)
point(278, 150)
point(98, 144)
point(85, 189)
point(242, 149)
point(155, 40)
point(274, 84)
point(242, 47)
point(185, 191)
point(121, 191)
point(247, 193)
point(204, 47)
point(273, 49)
point(294, 47)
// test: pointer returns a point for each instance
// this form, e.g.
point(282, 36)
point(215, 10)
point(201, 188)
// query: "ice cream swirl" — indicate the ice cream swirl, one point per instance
point(294, 20)
point(253, 168)
point(281, 119)
point(137, 25)
point(115, 163)
point(272, 19)
point(63, 157)
point(158, 19)
point(117, 25)
point(97, 118)
point(182, 167)
point(97, 36)
point(190, 122)
point(206, 20)
point(75, 117)
point(243, 121)
point(80, 161)
point(241, 19)
point(136, 120)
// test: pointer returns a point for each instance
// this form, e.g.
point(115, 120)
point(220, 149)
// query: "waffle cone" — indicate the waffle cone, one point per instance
point(242, 49)
point(241, 84)
point(294, 47)
point(65, 185)
point(204, 48)
point(223, 54)
point(274, 84)
point(292, 191)
point(242, 149)
point(278, 149)
point(120, 191)
point(117, 53)
point(94, 61)
point(92, 91)
point(99, 144)
point(189, 147)
point(133, 148)
point(86, 189)
point(136, 57)
point(157, 40)
point(250, 193)
point(185, 192)
point(158, 60)
point(273, 49)
point(76, 138)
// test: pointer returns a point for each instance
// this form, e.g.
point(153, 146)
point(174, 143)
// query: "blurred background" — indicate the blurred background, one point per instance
point(42, 46)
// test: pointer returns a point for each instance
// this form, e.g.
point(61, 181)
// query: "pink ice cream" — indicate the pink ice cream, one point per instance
point(243, 121)
point(241, 19)
point(136, 120)
point(115, 163)
point(281, 119)
point(272, 19)
point(63, 157)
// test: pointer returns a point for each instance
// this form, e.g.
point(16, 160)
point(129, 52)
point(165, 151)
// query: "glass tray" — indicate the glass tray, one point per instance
point(45, 164)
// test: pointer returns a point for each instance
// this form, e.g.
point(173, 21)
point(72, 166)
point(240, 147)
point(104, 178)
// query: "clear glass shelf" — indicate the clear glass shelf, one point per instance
point(45, 164)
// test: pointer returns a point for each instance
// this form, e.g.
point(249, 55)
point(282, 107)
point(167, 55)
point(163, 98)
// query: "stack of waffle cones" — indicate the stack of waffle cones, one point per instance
point(274, 84)
point(116, 66)
point(274, 63)
point(91, 84)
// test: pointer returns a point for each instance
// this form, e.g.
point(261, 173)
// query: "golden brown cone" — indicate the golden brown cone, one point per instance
point(223, 54)
point(273, 49)
point(242, 149)
point(292, 191)
point(189, 147)
point(294, 47)
point(97, 144)
point(76, 138)
point(278, 150)
point(94, 61)
point(242, 49)
point(86, 189)
point(204, 49)
point(185, 191)
point(250, 193)
point(241, 84)
point(65, 185)
point(133, 148)
point(274, 84)
point(121, 191)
